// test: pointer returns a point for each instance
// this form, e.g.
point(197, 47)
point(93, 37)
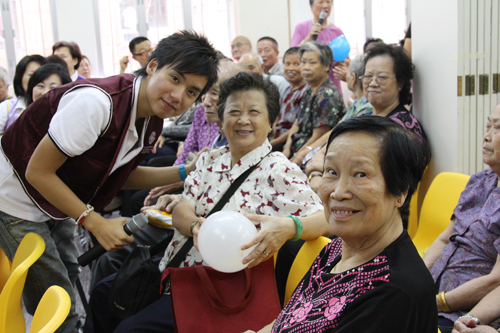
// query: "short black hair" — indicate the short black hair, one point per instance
point(187, 53)
point(21, 68)
point(370, 41)
point(134, 42)
point(292, 50)
point(271, 39)
point(74, 49)
point(403, 157)
point(44, 72)
point(53, 59)
point(403, 67)
point(245, 81)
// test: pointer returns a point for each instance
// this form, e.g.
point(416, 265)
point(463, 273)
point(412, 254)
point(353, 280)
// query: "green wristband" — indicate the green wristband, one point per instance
point(299, 228)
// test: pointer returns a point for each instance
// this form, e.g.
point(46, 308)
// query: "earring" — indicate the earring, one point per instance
point(399, 200)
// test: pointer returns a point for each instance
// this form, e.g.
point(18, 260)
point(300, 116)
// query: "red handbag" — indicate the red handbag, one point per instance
point(205, 300)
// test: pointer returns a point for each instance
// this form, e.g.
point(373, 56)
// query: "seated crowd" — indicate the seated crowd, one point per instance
point(279, 139)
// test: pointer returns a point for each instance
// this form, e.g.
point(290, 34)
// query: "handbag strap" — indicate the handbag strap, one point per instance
point(214, 297)
point(181, 255)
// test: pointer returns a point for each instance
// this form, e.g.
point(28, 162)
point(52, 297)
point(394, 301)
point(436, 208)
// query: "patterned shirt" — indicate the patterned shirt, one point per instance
point(324, 108)
point(290, 106)
point(276, 187)
point(394, 288)
point(401, 115)
point(201, 134)
point(359, 107)
point(475, 242)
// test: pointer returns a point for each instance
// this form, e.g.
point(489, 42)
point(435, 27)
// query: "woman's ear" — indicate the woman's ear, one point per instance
point(401, 199)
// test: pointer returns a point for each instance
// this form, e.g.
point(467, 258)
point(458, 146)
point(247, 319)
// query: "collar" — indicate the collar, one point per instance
point(223, 164)
point(74, 77)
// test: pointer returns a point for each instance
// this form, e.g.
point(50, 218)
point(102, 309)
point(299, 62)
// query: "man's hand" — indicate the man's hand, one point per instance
point(123, 64)
point(165, 203)
point(158, 144)
point(109, 232)
point(157, 191)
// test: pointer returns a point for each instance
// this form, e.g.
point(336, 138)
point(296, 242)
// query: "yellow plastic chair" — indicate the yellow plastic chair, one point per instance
point(303, 261)
point(11, 313)
point(438, 206)
point(4, 269)
point(51, 311)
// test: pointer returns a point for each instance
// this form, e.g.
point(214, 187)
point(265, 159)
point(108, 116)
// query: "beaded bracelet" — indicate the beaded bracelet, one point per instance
point(182, 172)
point(298, 223)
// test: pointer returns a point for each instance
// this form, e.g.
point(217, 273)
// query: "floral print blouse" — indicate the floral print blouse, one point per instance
point(276, 187)
point(324, 108)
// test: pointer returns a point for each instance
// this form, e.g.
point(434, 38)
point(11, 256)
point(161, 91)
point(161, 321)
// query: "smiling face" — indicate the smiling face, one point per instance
point(246, 122)
point(382, 91)
point(291, 66)
point(169, 93)
point(142, 52)
point(45, 86)
point(64, 53)
point(312, 69)
point(358, 205)
point(268, 52)
point(491, 141)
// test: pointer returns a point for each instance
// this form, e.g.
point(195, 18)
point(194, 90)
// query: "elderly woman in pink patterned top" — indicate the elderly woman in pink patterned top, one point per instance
point(370, 278)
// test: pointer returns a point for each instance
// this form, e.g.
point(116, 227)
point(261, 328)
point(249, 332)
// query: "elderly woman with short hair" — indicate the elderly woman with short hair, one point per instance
point(371, 278)
point(248, 106)
point(322, 105)
point(465, 259)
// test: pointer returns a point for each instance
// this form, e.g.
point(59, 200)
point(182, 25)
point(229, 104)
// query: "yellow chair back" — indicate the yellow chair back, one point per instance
point(302, 263)
point(51, 311)
point(4, 269)
point(438, 206)
point(11, 314)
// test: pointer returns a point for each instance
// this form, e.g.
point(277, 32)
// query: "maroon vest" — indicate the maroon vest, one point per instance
point(87, 175)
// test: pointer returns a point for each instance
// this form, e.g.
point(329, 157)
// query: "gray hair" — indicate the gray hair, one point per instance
point(4, 76)
point(324, 52)
point(357, 66)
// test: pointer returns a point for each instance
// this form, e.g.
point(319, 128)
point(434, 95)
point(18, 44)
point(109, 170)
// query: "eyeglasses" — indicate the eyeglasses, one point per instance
point(144, 52)
point(380, 79)
point(238, 45)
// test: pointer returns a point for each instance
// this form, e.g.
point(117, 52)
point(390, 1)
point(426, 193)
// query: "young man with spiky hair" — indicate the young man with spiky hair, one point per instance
point(77, 146)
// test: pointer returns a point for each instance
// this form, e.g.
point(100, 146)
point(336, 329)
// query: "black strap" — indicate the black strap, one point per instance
point(181, 255)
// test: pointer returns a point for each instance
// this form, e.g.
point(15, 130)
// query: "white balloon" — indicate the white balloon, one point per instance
point(220, 239)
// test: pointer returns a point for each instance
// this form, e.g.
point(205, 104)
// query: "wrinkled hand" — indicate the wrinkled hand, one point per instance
point(340, 71)
point(315, 30)
point(123, 63)
point(158, 144)
point(165, 203)
point(196, 231)
point(109, 232)
point(274, 232)
point(468, 325)
point(157, 191)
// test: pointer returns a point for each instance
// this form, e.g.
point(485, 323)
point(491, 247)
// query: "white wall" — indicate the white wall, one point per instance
point(434, 53)
point(75, 22)
point(259, 18)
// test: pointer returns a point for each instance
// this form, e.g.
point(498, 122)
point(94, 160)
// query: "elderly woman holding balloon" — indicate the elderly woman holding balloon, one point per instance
point(322, 105)
point(371, 278)
point(276, 195)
